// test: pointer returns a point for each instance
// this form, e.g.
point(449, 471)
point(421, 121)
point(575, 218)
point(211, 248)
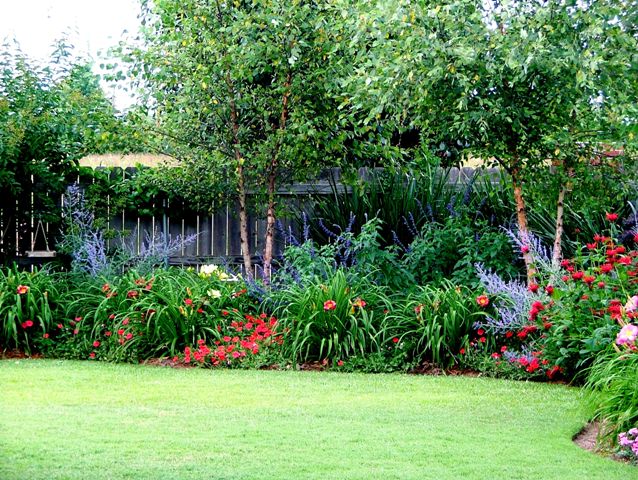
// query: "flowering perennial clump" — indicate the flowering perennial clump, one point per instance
point(237, 340)
point(628, 443)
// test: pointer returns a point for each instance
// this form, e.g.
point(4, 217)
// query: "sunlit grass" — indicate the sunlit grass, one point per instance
point(79, 420)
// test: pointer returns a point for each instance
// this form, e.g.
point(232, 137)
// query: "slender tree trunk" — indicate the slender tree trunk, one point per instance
point(239, 160)
point(272, 178)
point(243, 223)
point(241, 183)
point(557, 252)
point(270, 227)
point(521, 216)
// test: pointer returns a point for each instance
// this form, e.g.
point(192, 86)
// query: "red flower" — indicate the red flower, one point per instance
point(108, 334)
point(340, 363)
point(125, 321)
point(601, 284)
point(509, 334)
point(589, 280)
point(92, 355)
point(132, 294)
point(359, 303)
point(120, 332)
point(606, 267)
point(524, 249)
point(480, 332)
point(60, 325)
point(129, 336)
point(496, 355)
point(578, 275)
point(106, 287)
point(482, 339)
point(28, 323)
point(418, 309)
point(188, 301)
point(329, 305)
point(112, 316)
point(76, 331)
point(395, 340)
point(592, 246)
point(200, 310)
point(533, 287)
point(225, 313)
point(96, 343)
point(625, 261)
point(565, 278)
point(46, 335)
point(547, 325)
point(22, 289)
point(503, 349)
point(550, 290)
point(612, 217)
point(462, 351)
point(483, 301)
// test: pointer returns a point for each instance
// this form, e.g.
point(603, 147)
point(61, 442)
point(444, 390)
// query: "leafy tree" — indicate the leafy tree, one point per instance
point(241, 89)
point(517, 83)
point(50, 116)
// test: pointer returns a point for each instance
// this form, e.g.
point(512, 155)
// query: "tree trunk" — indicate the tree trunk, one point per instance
point(521, 216)
point(557, 253)
point(270, 228)
point(241, 184)
point(272, 177)
point(243, 223)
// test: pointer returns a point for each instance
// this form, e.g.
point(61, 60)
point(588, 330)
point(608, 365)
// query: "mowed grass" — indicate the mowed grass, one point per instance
point(83, 420)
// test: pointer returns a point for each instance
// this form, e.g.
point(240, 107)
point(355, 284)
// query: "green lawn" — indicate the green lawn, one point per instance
point(88, 420)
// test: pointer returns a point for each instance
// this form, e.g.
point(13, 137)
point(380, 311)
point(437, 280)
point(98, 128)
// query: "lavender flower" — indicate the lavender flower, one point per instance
point(513, 306)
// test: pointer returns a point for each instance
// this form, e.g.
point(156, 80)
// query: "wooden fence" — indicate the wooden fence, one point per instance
point(27, 240)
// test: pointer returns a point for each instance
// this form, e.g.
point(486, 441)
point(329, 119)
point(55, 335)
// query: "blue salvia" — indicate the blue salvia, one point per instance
point(398, 243)
point(326, 230)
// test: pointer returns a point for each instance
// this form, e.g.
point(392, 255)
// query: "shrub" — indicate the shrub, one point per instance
point(137, 317)
point(28, 303)
point(435, 322)
point(613, 383)
point(333, 318)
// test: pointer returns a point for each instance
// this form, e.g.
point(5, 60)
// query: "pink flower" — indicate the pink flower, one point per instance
point(632, 304)
point(188, 302)
point(22, 289)
point(92, 355)
point(329, 305)
point(627, 335)
point(96, 343)
point(129, 336)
